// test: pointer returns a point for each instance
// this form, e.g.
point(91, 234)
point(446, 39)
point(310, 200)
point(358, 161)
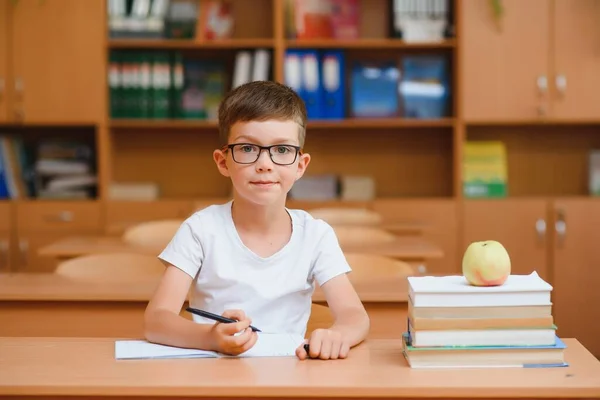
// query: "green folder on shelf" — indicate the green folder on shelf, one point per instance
point(485, 170)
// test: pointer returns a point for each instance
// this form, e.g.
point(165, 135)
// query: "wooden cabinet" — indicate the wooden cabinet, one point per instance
point(40, 223)
point(514, 69)
point(557, 238)
point(504, 66)
point(57, 61)
point(575, 271)
point(576, 41)
point(519, 224)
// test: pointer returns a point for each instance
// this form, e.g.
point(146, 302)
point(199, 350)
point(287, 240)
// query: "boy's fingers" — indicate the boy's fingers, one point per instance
point(344, 350)
point(233, 328)
point(325, 351)
point(315, 346)
point(238, 315)
point(241, 339)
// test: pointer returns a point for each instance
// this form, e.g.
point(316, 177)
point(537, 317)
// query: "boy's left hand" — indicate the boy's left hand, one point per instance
point(325, 344)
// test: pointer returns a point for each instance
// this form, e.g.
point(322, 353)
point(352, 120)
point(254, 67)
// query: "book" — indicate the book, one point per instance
point(435, 323)
point(515, 336)
point(484, 356)
point(475, 311)
point(456, 291)
point(267, 345)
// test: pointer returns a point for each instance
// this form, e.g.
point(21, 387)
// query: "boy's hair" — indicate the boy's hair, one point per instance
point(261, 101)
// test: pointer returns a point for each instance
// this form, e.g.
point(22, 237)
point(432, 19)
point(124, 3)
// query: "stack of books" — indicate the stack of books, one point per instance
point(454, 324)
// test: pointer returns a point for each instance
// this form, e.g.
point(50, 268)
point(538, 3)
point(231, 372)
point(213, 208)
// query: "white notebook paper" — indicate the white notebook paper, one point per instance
point(267, 345)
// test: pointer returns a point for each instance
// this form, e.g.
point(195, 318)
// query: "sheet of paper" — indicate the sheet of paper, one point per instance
point(140, 349)
point(267, 345)
point(274, 345)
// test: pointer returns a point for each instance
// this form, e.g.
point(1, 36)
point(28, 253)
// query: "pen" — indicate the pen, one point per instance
point(215, 317)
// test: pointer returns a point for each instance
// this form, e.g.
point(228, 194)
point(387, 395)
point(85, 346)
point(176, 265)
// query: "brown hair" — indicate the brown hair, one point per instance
point(260, 101)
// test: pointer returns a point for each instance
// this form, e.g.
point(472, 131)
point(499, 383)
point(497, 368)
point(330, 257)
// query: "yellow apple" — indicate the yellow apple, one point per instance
point(486, 263)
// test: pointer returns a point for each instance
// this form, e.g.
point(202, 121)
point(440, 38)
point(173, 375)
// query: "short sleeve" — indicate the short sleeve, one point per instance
point(330, 260)
point(184, 251)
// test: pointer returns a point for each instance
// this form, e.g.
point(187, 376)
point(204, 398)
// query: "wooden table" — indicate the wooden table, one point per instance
point(412, 249)
point(51, 305)
point(85, 368)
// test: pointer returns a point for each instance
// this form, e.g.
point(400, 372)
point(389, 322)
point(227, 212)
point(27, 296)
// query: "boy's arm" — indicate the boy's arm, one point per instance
point(164, 325)
point(162, 322)
point(350, 317)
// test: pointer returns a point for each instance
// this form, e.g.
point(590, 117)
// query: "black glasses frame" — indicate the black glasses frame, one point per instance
point(261, 148)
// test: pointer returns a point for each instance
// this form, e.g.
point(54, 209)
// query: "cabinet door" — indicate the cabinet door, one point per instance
point(4, 57)
point(575, 272)
point(519, 224)
point(58, 61)
point(502, 64)
point(5, 235)
point(576, 81)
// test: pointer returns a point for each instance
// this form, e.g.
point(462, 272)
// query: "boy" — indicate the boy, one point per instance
point(252, 259)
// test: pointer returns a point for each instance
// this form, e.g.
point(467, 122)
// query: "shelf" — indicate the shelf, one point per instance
point(361, 123)
point(532, 122)
point(161, 44)
point(367, 44)
point(350, 123)
point(163, 124)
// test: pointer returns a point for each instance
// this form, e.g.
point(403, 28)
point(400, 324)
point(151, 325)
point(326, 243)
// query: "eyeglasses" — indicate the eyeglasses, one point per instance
point(248, 153)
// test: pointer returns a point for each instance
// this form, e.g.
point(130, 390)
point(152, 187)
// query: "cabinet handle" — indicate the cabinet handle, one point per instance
point(3, 254)
point(560, 226)
point(19, 115)
point(540, 227)
point(19, 88)
point(1, 88)
point(542, 84)
point(24, 250)
point(561, 84)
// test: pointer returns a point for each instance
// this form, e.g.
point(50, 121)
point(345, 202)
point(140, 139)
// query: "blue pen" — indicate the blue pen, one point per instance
point(215, 317)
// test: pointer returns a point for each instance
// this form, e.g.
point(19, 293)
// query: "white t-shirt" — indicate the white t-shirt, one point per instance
point(275, 292)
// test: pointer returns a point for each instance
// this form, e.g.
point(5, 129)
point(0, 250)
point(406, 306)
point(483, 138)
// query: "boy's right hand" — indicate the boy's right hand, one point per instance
point(223, 334)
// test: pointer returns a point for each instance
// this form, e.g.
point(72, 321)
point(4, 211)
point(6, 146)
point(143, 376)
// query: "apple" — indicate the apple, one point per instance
point(486, 263)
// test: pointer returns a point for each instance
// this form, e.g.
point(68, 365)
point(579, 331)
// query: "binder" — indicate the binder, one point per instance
point(311, 83)
point(333, 84)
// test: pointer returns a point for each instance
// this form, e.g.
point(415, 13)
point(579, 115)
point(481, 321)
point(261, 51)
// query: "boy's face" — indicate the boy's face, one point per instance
point(262, 176)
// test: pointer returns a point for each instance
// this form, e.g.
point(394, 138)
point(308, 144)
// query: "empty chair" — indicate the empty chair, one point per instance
point(347, 216)
point(111, 267)
point(362, 235)
point(373, 266)
point(152, 234)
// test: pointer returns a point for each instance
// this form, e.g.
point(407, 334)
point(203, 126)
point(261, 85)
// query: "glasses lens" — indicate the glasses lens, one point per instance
point(245, 153)
point(283, 154)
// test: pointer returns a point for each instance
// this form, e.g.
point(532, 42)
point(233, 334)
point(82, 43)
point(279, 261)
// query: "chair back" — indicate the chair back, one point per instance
point(362, 235)
point(373, 266)
point(347, 216)
point(115, 267)
point(152, 234)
